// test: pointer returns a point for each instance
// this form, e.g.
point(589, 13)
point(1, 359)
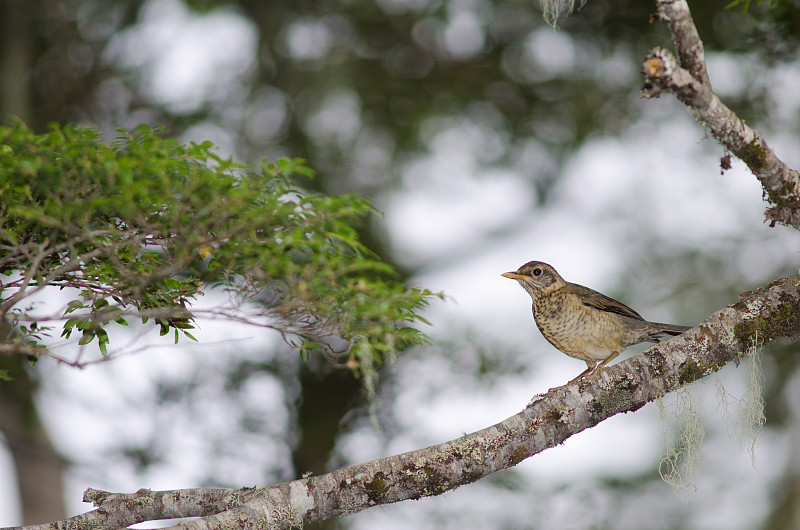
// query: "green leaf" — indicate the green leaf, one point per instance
point(746, 4)
point(86, 338)
point(102, 342)
point(73, 305)
point(9, 235)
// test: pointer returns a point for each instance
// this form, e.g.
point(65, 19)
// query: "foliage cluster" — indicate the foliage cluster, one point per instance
point(142, 227)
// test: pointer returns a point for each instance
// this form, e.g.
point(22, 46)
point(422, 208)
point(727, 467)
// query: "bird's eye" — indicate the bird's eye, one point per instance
point(537, 272)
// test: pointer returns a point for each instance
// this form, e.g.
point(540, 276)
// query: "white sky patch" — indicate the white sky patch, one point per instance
point(267, 115)
point(652, 180)
point(336, 119)
point(223, 139)
point(10, 508)
point(447, 219)
point(186, 59)
point(731, 73)
point(464, 35)
point(548, 54)
point(786, 101)
point(307, 39)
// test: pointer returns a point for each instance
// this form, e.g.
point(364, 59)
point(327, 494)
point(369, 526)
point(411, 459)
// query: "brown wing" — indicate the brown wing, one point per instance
point(602, 302)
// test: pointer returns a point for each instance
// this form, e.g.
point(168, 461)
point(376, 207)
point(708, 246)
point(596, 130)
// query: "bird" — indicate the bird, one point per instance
point(582, 322)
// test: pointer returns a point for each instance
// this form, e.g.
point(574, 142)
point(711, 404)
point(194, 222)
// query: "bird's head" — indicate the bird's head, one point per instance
point(535, 276)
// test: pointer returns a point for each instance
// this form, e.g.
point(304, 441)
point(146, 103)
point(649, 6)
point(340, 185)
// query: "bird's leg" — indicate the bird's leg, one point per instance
point(591, 366)
point(600, 366)
point(592, 370)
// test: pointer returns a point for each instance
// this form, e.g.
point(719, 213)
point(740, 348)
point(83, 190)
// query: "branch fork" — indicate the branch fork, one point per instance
point(686, 77)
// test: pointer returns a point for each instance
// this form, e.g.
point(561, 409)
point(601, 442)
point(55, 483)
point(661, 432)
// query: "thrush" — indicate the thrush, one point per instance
point(583, 323)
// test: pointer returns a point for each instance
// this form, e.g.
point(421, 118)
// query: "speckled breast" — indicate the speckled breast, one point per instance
point(579, 331)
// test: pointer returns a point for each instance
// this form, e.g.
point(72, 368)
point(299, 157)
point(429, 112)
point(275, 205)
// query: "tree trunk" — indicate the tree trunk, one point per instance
point(38, 467)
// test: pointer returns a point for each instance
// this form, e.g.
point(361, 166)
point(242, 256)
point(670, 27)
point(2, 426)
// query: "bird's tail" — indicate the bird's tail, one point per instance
point(663, 331)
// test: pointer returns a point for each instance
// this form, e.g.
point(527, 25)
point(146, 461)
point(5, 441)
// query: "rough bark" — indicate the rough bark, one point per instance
point(687, 78)
point(761, 316)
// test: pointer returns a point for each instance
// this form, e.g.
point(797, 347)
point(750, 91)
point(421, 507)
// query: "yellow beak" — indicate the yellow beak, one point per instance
point(513, 276)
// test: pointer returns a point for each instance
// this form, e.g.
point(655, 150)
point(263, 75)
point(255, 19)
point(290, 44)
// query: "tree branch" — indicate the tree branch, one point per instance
point(761, 316)
point(45, 250)
point(687, 78)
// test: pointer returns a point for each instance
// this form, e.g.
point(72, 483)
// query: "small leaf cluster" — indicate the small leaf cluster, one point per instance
point(746, 4)
point(144, 226)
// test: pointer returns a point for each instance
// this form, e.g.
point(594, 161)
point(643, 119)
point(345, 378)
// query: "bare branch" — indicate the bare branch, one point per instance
point(10, 348)
point(686, 39)
point(762, 315)
point(688, 80)
point(257, 316)
point(30, 273)
point(118, 510)
point(44, 250)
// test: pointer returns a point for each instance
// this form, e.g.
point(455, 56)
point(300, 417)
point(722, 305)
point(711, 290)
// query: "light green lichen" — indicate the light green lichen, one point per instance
point(619, 396)
point(680, 460)
point(285, 517)
point(749, 417)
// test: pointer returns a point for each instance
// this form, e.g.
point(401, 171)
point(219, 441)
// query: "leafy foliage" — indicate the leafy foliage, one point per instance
point(142, 227)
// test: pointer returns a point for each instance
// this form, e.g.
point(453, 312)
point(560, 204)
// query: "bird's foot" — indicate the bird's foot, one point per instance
point(597, 371)
point(590, 372)
point(583, 374)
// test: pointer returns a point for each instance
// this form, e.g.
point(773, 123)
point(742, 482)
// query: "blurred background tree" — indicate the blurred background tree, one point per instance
point(488, 139)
